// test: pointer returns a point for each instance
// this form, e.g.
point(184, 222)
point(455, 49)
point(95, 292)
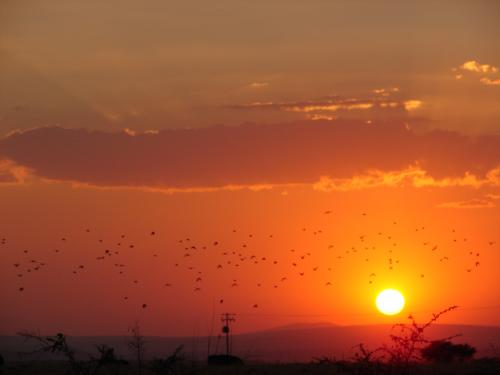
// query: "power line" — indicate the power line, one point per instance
point(227, 319)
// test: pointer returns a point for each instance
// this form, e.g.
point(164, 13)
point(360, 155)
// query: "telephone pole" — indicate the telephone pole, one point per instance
point(227, 319)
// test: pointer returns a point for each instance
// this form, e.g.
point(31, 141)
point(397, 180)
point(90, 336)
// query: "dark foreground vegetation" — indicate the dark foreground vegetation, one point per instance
point(473, 367)
point(409, 352)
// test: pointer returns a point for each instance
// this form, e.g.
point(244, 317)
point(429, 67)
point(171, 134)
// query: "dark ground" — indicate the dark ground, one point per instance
point(475, 367)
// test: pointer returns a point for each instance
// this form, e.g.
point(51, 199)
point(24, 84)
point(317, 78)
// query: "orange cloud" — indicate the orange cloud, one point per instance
point(490, 82)
point(13, 173)
point(350, 153)
point(133, 133)
point(413, 176)
point(469, 204)
point(167, 190)
point(258, 85)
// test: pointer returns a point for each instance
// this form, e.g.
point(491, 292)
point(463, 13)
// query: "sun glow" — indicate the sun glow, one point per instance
point(390, 302)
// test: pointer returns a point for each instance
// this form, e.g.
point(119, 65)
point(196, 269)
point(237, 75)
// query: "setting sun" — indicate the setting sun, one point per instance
point(390, 302)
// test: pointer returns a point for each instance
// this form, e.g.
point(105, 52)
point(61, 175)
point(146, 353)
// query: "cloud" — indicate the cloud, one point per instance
point(469, 204)
point(411, 105)
point(133, 132)
point(258, 85)
point(490, 82)
point(316, 117)
point(475, 66)
point(386, 91)
point(379, 104)
point(185, 190)
point(12, 173)
point(413, 176)
point(350, 153)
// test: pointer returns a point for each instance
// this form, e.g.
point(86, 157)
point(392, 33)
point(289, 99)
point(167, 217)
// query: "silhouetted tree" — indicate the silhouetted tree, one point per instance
point(137, 345)
point(364, 355)
point(168, 365)
point(366, 360)
point(405, 348)
point(446, 351)
point(408, 342)
point(107, 356)
point(58, 345)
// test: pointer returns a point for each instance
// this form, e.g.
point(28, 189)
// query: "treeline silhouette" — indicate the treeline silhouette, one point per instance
point(409, 351)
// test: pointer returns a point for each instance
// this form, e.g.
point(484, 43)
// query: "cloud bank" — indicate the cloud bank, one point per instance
point(325, 154)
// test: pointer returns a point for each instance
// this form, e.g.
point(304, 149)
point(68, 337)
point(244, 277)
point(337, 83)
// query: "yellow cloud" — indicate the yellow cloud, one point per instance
point(313, 108)
point(386, 91)
point(411, 176)
point(490, 82)
point(329, 107)
point(389, 104)
point(413, 104)
point(316, 116)
point(474, 66)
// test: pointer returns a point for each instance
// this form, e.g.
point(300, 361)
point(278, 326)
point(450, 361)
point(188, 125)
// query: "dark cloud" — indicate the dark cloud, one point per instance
point(249, 154)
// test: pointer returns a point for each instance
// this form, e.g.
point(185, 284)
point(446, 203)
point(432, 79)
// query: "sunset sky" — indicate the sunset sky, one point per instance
point(167, 161)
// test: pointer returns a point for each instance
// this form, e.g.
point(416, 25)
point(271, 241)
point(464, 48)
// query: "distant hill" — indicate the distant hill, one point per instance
point(296, 342)
point(295, 326)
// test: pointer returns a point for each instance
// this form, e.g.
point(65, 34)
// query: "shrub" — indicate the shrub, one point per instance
point(446, 351)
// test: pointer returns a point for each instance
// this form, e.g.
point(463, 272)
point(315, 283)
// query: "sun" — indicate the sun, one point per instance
point(390, 302)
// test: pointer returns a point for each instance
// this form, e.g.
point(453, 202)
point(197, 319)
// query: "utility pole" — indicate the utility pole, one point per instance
point(227, 319)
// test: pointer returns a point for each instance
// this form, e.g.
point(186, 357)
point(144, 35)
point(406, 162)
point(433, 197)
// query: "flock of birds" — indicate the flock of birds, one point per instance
point(221, 257)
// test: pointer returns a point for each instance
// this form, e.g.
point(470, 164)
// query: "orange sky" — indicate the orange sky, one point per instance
point(214, 124)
